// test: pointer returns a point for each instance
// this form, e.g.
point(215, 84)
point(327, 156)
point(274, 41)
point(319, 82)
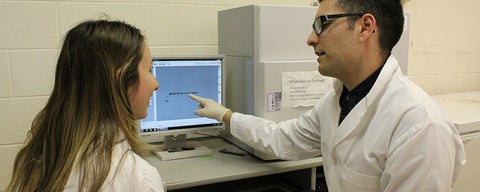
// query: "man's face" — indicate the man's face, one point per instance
point(334, 45)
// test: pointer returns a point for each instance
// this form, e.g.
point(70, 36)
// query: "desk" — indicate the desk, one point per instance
point(220, 167)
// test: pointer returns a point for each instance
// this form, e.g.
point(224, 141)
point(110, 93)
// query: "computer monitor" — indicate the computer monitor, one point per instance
point(171, 117)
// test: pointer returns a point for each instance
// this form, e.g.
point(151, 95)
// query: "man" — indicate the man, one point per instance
point(377, 131)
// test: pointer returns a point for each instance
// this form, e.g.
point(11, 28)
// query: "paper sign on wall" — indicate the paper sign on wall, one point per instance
point(303, 88)
point(274, 101)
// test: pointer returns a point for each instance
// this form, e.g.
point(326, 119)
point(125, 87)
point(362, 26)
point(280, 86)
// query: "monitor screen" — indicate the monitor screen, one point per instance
point(171, 111)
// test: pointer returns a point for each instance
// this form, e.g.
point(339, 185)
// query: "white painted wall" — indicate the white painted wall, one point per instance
point(444, 47)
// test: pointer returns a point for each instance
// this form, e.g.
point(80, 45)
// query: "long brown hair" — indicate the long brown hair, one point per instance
point(87, 111)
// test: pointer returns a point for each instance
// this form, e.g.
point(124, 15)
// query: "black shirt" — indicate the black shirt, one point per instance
point(348, 99)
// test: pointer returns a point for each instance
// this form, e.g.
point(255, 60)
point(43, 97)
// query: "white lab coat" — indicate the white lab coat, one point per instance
point(128, 172)
point(394, 139)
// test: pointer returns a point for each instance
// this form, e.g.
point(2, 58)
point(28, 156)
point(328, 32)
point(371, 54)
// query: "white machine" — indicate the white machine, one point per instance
point(270, 70)
point(463, 109)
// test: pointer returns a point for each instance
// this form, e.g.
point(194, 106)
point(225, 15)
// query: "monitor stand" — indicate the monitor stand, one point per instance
point(177, 147)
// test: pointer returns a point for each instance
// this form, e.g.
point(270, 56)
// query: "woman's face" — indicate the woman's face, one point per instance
point(139, 97)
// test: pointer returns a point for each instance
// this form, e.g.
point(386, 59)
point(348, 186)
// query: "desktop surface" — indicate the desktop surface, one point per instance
point(222, 167)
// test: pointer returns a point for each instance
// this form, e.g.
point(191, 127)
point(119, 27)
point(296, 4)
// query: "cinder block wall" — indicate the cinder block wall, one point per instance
point(443, 58)
point(444, 55)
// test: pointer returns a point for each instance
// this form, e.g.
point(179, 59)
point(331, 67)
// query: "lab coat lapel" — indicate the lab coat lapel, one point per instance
point(357, 118)
point(350, 123)
point(339, 132)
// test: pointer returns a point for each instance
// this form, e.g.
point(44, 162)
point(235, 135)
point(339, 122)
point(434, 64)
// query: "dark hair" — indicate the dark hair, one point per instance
point(88, 110)
point(388, 15)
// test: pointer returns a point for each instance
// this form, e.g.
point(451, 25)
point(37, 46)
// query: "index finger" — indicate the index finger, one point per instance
point(196, 98)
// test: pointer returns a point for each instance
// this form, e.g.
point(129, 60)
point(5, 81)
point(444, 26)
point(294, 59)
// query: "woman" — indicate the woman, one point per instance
point(85, 139)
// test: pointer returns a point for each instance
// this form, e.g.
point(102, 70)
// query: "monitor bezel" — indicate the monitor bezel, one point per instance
point(191, 132)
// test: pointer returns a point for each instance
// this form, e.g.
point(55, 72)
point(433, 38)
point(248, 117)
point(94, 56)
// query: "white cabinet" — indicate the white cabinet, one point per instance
point(463, 109)
point(468, 180)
